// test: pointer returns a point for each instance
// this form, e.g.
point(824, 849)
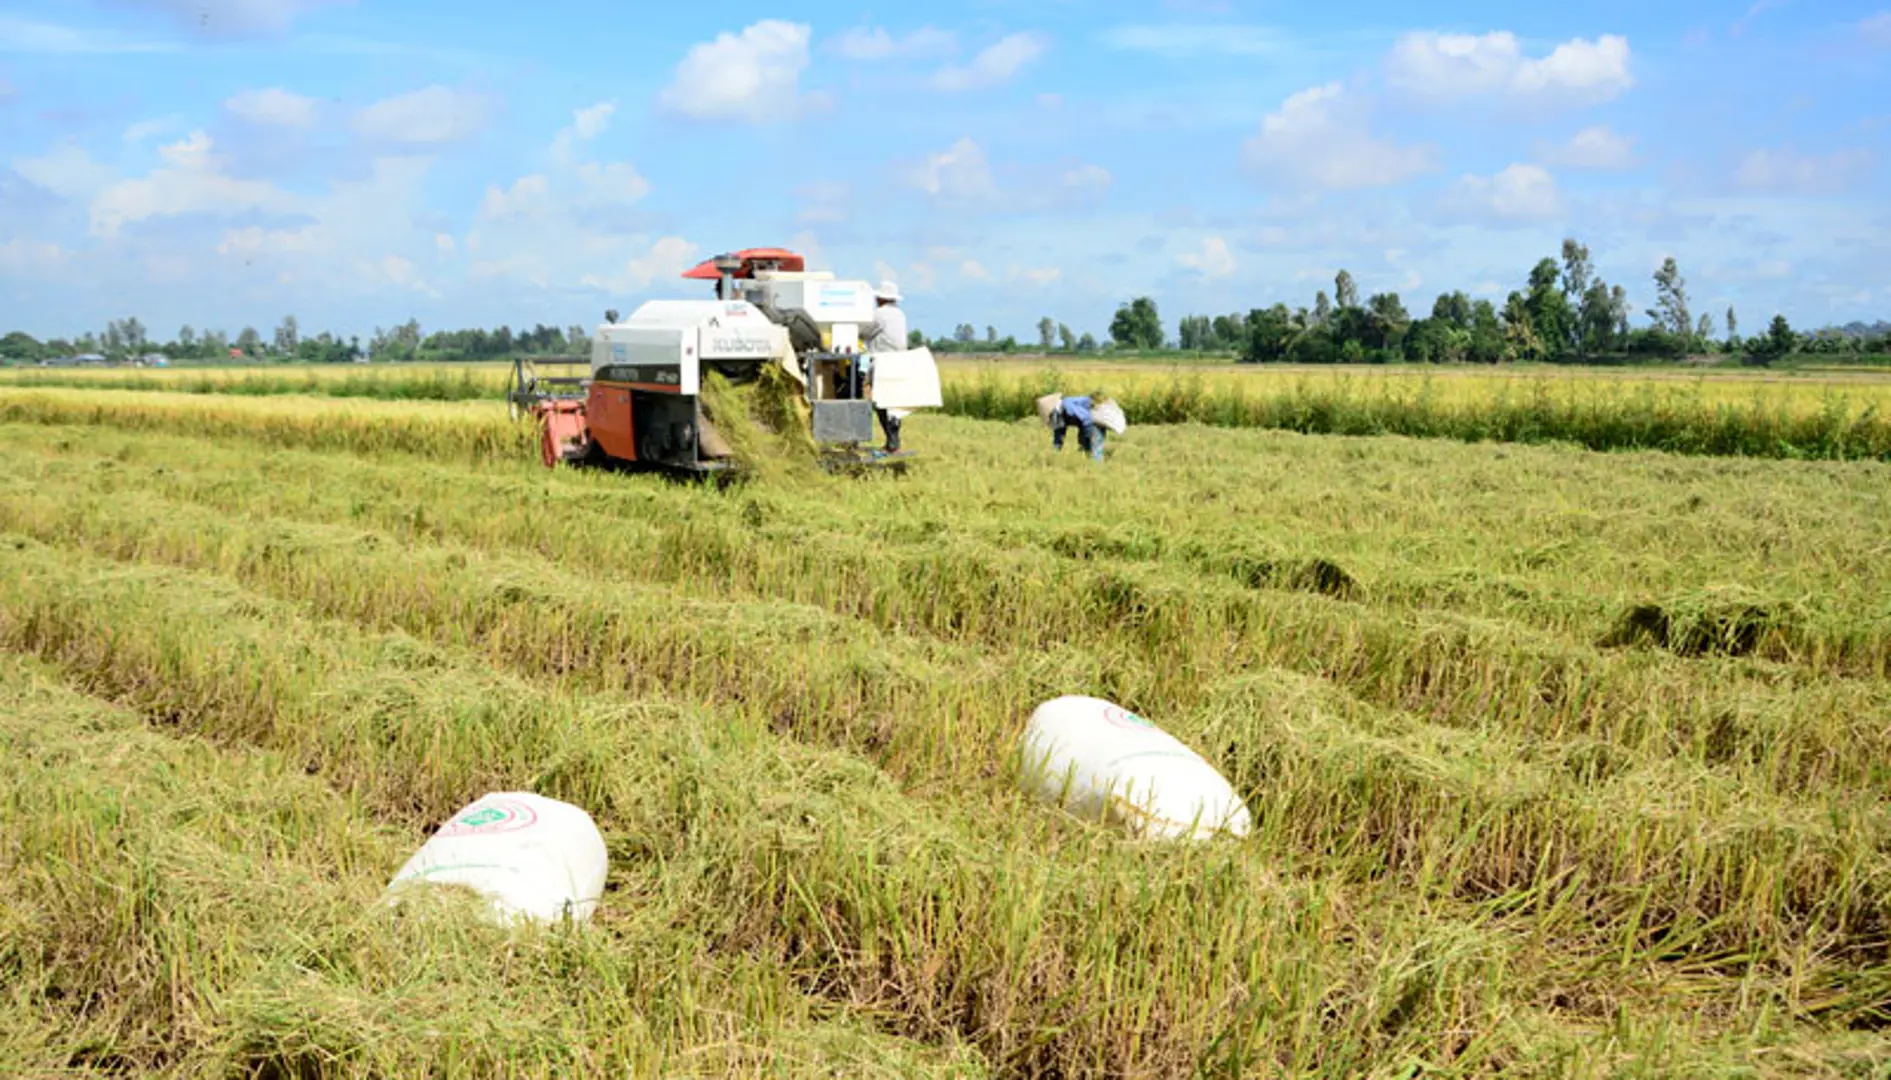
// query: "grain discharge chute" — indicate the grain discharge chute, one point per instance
point(769, 321)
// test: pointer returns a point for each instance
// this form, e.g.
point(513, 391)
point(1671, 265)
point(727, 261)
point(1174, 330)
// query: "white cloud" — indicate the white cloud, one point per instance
point(668, 257)
point(400, 270)
point(1319, 141)
point(274, 107)
point(147, 129)
point(615, 184)
point(66, 170)
point(529, 196)
point(1451, 67)
point(334, 243)
point(1520, 193)
point(189, 184)
point(996, 65)
point(1186, 41)
point(753, 76)
point(958, 173)
point(1213, 261)
point(1088, 180)
point(432, 115)
point(546, 229)
point(586, 124)
point(331, 252)
point(1876, 29)
point(1784, 172)
point(867, 44)
point(1580, 71)
point(444, 242)
point(590, 122)
point(20, 257)
point(973, 270)
point(190, 152)
point(1599, 147)
point(1040, 276)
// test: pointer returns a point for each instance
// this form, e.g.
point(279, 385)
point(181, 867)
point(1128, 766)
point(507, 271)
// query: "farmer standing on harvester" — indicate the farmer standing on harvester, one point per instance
point(888, 334)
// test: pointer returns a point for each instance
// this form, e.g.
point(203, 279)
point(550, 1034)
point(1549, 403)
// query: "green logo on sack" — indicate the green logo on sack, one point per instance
point(1124, 718)
point(499, 816)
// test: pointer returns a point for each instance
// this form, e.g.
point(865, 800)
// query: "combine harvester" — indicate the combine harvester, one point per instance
point(642, 404)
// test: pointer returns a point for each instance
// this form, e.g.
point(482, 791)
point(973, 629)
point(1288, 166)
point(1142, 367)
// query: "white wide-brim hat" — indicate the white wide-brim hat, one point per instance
point(888, 291)
point(1047, 407)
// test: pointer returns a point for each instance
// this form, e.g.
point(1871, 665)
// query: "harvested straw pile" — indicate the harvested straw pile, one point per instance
point(765, 423)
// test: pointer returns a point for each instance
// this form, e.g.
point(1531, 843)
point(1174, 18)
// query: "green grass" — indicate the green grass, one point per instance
point(1495, 835)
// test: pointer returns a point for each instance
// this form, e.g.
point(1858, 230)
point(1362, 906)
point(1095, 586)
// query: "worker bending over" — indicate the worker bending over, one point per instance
point(888, 334)
point(1075, 412)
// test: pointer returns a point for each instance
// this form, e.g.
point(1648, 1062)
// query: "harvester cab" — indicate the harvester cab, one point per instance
point(643, 399)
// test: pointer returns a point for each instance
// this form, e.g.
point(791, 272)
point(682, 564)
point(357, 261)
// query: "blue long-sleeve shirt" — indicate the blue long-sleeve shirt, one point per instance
point(1077, 409)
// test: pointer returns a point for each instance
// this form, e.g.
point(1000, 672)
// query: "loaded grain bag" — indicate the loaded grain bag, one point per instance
point(532, 858)
point(1102, 761)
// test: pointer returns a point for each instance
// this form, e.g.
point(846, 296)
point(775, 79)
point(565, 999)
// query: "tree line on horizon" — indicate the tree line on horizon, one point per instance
point(127, 340)
point(1565, 313)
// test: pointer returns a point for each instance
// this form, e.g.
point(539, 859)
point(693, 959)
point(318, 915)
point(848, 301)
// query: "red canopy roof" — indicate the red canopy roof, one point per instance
point(787, 260)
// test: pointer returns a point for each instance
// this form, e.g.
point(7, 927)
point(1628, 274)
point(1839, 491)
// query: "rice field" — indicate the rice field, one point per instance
point(1562, 763)
point(1826, 415)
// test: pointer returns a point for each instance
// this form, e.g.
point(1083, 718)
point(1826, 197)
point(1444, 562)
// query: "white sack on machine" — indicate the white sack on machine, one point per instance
point(906, 380)
point(1102, 761)
point(530, 857)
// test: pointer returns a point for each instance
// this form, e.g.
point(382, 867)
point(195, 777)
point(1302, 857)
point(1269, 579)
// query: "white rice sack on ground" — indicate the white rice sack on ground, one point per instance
point(1100, 761)
point(532, 858)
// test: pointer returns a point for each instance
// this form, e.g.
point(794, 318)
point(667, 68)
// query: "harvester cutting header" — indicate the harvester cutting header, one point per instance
point(772, 322)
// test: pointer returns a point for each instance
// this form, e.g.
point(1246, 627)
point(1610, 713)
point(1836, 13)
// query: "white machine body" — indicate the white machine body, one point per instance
point(664, 342)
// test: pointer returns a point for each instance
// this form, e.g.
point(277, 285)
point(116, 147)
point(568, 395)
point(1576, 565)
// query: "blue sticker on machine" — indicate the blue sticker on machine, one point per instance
point(620, 351)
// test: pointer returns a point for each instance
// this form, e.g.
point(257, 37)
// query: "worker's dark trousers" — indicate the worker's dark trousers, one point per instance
point(1089, 436)
point(891, 425)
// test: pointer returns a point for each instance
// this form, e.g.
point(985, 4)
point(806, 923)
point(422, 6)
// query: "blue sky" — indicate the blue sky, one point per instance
point(360, 162)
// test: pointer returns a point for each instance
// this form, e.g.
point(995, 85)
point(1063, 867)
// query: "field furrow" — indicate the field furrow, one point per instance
point(176, 907)
point(778, 852)
point(1561, 763)
point(853, 562)
point(1156, 642)
point(1507, 827)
